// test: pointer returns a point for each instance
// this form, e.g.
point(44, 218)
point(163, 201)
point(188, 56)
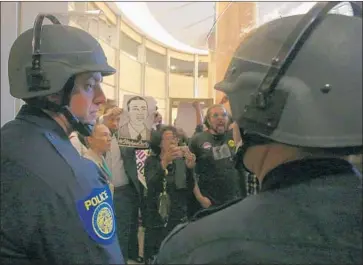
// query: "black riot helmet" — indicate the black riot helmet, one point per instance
point(44, 60)
point(298, 81)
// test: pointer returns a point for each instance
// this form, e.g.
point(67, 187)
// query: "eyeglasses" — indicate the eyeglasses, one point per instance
point(171, 138)
point(217, 115)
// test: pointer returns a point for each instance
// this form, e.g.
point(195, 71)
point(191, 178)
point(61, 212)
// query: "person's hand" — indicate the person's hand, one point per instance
point(186, 151)
point(173, 153)
point(204, 202)
point(224, 100)
point(157, 117)
point(113, 112)
point(189, 157)
point(180, 132)
point(196, 105)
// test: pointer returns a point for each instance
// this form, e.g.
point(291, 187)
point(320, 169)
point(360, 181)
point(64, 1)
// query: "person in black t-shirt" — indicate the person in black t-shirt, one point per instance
point(214, 149)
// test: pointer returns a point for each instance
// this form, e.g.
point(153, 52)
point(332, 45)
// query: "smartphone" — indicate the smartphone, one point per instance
point(184, 148)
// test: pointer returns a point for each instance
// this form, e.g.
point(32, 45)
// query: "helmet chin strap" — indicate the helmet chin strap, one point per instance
point(83, 128)
point(248, 141)
point(75, 123)
point(241, 152)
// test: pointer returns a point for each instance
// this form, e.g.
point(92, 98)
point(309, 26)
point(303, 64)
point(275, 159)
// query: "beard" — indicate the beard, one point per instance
point(219, 129)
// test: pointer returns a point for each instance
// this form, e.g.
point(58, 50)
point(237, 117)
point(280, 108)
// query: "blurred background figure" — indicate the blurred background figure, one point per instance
point(215, 150)
point(128, 191)
point(99, 143)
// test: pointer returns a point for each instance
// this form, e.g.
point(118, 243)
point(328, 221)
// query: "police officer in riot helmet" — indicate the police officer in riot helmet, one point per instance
point(303, 118)
point(56, 207)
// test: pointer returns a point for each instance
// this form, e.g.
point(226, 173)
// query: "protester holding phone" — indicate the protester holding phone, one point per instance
point(170, 181)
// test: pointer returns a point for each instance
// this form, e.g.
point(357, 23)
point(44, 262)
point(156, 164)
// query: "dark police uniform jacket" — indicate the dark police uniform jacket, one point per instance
point(308, 212)
point(56, 206)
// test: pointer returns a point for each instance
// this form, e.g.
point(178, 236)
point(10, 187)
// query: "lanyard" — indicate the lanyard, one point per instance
point(105, 168)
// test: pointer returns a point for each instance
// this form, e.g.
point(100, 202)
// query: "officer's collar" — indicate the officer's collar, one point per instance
point(295, 172)
point(40, 118)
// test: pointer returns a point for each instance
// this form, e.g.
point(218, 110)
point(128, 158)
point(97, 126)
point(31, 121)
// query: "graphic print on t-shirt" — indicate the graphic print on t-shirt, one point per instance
point(221, 152)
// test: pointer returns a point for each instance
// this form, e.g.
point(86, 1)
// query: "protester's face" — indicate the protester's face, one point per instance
point(168, 139)
point(180, 132)
point(87, 97)
point(113, 123)
point(218, 119)
point(138, 111)
point(158, 118)
point(100, 140)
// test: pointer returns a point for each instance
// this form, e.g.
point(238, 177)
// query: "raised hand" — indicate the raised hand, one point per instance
point(113, 112)
point(189, 157)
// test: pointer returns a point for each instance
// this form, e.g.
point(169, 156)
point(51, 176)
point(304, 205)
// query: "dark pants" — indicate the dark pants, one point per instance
point(126, 200)
point(155, 231)
point(134, 229)
point(153, 238)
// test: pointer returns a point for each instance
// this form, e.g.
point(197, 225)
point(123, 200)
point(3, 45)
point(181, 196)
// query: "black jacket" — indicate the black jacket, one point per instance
point(308, 212)
point(154, 175)
point(51, 197)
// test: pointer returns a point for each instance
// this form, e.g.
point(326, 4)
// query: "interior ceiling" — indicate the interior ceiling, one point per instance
point(188, 22)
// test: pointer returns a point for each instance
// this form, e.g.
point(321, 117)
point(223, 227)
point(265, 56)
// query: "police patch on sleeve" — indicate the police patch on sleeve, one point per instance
point(97, 215)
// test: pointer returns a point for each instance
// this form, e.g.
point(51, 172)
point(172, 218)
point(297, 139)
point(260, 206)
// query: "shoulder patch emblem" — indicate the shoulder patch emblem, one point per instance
point(97, 215)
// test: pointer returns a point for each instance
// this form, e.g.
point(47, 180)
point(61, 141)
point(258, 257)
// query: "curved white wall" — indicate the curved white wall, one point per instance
point(138, 13)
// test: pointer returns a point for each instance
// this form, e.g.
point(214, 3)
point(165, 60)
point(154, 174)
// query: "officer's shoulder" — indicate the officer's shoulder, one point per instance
point(214, 209)
point(19, 138)
point(19, 153)
point(201, 214)
point(203, 229)
point(21, 180)
point(31, 147)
